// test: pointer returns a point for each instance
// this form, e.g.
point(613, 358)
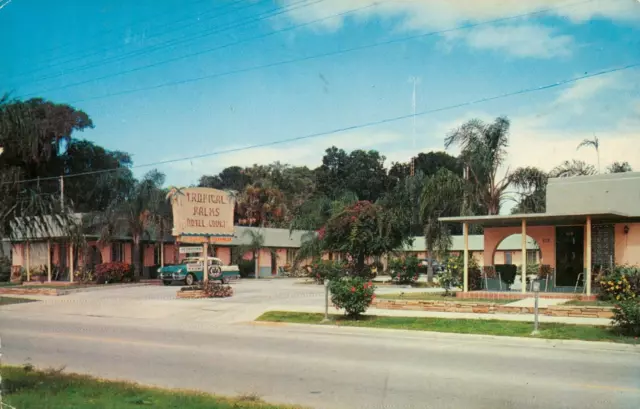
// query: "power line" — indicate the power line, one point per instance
point(75, 58)
point(313, 57)
point(170, 43)
point(348, 128)
point(220, 47)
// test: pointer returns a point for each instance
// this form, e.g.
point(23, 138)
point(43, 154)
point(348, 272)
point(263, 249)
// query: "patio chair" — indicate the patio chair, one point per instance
point(580, 277)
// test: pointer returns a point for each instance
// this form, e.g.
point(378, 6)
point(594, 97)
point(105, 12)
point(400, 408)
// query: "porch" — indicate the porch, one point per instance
point(570, 252)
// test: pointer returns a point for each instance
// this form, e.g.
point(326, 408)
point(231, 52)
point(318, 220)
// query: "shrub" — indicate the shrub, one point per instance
point(507, 273)
point(247, 268)
point(353, 294)
point(327, 270)
point(376, 267)
point(84, 276)
point(5, 269)
point(622, 284)
point(216, 290)
point(626, 318)
point(212, 289)
point(113, 272)
point(404, 271)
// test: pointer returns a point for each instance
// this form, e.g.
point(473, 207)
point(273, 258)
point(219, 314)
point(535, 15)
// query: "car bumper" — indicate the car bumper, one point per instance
point(172, 276)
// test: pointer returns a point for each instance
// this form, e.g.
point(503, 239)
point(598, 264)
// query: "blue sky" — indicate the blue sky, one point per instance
point(46, 44)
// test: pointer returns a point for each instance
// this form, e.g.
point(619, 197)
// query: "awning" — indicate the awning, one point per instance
point(538, 219)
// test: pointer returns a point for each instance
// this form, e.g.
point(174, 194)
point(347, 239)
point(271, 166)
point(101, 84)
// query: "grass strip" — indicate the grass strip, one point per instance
point(52, 389)
point(13, 300)
point(459, 326)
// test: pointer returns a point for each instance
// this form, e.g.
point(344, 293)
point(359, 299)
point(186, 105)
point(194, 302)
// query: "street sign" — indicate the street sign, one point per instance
point(189, 250)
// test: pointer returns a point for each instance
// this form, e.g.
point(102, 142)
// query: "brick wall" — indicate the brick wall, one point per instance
point(492, 308)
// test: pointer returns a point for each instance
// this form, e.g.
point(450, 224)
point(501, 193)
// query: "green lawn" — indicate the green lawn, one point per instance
point(459, 326)
point(596, 303)
point(438, 297)
point(24, 388)
point(7, 284)
point(13, 300)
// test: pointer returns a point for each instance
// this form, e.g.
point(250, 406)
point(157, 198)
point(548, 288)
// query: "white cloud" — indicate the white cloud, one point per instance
point(525, 40)
point(424, 15)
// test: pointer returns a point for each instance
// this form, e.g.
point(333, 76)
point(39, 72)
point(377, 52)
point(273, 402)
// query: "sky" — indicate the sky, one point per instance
point(171, 79)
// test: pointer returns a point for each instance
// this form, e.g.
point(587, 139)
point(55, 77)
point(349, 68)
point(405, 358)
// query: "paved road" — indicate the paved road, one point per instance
point(218, 350)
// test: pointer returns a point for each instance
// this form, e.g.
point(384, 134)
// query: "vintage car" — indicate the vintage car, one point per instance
point(190, 271)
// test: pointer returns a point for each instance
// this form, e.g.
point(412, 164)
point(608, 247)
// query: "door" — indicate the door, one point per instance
point(569, 254)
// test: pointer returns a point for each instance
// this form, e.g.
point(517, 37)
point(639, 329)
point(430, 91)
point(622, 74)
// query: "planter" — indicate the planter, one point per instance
point(192, 294)
point(39, 278)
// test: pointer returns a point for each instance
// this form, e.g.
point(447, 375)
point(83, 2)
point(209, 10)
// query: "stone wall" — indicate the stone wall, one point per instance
point(32, 291)
point(492, 308)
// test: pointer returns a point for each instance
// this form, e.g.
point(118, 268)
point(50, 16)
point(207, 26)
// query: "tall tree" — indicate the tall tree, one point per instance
point(483, 152)
point(262, 206)
point(360, 172)
point(619, 167)
point(572, 168)
point(441, 196)
point(230, 178)
point(592, 143)
point(33, 135)
point(95, 191)
point(530, 195)
point(134, 214)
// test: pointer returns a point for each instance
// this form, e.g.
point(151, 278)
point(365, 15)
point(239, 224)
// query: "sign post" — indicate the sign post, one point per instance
point(536, 289)
point(326, 301)
point(202, 216)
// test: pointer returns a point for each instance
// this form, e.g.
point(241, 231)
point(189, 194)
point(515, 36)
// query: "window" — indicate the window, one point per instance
point(117, 252)
point(507, 257)
point(291, 255)
point(157, 255)
point(532, 257)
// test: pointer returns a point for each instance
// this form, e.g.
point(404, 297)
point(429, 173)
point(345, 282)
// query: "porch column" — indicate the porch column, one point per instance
point(162, 254)
point(71, 262)
point(588, 251)
point(465, 271)
point(49, 261)
point(524, 256)
point(28, 251)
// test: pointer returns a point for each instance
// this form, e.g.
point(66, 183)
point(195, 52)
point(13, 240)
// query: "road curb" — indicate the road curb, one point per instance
point(540, 342)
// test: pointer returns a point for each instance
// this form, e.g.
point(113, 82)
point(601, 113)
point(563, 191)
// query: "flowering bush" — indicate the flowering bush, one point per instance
point(113, 273)
point(212, 289)
point(84, 276)
point(626, 318)
point(327, 270)
point(404, 271)
point(622, 284)
point(353, 294)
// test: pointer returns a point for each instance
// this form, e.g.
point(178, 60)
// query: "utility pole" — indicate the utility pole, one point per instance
point(61, 191)
point(414, 81)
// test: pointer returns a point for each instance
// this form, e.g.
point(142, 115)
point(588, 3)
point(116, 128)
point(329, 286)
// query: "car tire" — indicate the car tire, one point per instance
point(166, 282)
point(190, 279)
point(226, 280)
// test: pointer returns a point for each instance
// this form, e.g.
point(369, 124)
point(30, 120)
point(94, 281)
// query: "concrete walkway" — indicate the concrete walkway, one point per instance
point(542, 302)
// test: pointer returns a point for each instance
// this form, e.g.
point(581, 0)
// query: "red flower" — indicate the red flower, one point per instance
point(353, 289)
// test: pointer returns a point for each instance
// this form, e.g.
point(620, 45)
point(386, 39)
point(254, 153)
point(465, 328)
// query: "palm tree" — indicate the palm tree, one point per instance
point(595, 144)
point(255, 246)
point(531, 190)
point(441, 196)
point(136, 214)
point(483, 152)
point(572, 168)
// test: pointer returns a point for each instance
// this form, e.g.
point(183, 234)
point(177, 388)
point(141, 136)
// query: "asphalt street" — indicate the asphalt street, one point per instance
point(213, 346)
